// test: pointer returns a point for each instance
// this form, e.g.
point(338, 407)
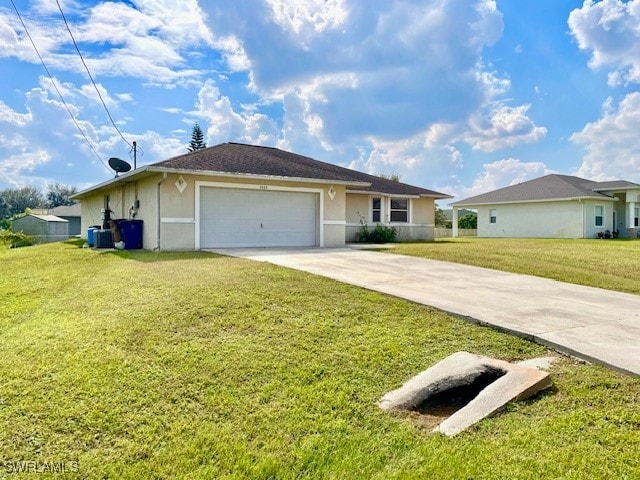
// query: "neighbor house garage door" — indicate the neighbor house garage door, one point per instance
point(231, 217)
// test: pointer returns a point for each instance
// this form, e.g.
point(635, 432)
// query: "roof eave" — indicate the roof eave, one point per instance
point(123, 178)
point(131, 176)
point(463, 203)
point(404, 195)
point(214, 173)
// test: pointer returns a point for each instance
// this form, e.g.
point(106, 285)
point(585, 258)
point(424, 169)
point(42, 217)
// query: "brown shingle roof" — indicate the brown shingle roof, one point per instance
point(238, 158)
point(548, 187)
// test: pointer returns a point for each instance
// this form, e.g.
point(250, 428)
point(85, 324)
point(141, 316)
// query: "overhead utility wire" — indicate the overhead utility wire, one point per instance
point(90, 76)
point(56, 87)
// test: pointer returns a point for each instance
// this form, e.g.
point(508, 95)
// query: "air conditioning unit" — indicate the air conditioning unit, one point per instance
point(103, 238)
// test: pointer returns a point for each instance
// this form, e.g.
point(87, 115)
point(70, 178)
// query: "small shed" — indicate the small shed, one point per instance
point(42, 228)
point(71, 213)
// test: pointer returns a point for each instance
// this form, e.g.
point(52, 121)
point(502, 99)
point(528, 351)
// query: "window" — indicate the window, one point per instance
point(399, 210)
point(492, 215)
point(599, 215)
point(635, 217)
point(376, 203)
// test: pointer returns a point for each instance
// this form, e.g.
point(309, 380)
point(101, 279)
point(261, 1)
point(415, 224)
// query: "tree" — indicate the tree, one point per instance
point(441, 219)
point(59, 194)
point(17, 200)
point(468, 221)
point(197, 139)
point(390, 176)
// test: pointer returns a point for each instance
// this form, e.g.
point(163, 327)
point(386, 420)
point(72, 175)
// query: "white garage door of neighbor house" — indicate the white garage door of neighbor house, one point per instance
point(237, 218)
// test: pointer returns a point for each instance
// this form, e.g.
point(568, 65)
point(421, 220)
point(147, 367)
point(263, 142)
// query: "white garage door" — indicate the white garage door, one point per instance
point(232, 218)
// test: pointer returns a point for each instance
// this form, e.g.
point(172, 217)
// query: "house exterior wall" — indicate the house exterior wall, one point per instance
point(420, 226)
point(121, 200)
point(561, 219)
point(74, 225)
point(178, 211)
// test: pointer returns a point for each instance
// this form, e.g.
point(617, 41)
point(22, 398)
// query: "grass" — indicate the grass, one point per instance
point(190, 365)
point(609, 264)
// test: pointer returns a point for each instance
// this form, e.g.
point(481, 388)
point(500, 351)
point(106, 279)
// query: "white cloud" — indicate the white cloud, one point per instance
point(225, 123)
point(147, 42)
point(8, 115)
point(124, 97)
point(89, 91)
point(15, 167)
point(612, 143)
point(610, 30)
point(27, 157)
point(233, 53)
point(381, 68)
point(504, 127)
point(306, 18)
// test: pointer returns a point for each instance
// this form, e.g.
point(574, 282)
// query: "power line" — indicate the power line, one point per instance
point(90, 76)
point(56, 87)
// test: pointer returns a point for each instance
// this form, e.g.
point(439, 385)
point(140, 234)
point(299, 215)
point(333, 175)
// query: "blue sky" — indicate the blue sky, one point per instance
point(461, 96)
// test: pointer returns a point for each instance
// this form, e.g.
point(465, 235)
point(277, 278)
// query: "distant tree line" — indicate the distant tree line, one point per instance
point(14, 201)
point(468, 221)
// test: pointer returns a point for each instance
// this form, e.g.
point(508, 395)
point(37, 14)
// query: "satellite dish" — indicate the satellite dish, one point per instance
point(118, 165)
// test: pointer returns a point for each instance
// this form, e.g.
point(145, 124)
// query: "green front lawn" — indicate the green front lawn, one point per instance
point(609, 264)
point(191, 365)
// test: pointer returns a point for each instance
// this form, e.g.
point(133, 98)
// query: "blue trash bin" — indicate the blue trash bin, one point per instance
point(131, 231)
point(90, 240)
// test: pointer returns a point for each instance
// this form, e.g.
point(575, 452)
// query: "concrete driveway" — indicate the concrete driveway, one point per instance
point(589, 323)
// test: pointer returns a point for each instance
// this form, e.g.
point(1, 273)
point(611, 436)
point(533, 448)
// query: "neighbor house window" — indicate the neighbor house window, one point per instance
point(399, 210)
point(492, 215)
point(599, 215)
point(376, 203)
point(635, 216)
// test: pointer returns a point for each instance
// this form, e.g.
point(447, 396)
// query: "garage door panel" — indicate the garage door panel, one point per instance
point(231, 217)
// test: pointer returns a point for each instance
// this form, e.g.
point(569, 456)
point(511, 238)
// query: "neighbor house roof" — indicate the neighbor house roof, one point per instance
point(241, 160)
point(46, 218)
point(549, 187)
point(66, 210)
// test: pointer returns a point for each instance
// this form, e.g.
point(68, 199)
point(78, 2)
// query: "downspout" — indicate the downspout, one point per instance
point(164, 177)
point(584, 220)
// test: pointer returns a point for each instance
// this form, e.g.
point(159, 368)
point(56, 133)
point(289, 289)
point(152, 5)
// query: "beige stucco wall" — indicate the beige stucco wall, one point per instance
point(178, 209)
point(421, 212)
point(424, 211)
point(122, 198)
point(569, 219)
point(358, 205)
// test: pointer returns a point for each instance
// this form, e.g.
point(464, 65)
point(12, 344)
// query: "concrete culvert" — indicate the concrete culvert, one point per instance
point(467, 387)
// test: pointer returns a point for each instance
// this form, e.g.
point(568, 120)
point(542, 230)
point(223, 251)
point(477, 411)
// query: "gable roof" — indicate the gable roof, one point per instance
point(66, 210)
point(269, 161)
point(46, 218)
point(549, 187)
point(251, 161)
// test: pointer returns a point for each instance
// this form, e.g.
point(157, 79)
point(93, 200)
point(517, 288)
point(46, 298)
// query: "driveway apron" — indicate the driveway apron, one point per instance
point(589, 323)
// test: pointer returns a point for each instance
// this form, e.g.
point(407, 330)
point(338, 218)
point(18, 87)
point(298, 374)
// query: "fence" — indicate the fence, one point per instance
point(448, 232)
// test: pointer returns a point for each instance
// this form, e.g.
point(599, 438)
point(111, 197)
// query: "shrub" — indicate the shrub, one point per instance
point(15, 239)
point(380, 234)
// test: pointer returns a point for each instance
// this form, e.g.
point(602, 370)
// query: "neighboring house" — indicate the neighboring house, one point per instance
point(71, 213)
point(236, 195)
point(42, 228)
point(557, 206)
